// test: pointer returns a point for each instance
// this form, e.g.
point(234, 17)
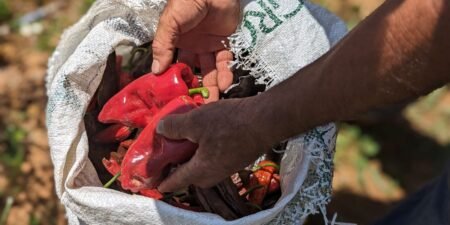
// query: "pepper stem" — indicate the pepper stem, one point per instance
point(114, 178)
point(258, 167)
point(200, 90)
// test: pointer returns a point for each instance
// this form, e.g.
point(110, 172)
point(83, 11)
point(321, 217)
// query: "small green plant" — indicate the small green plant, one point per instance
point(356, 149)
point(430, 115)
point(52, 29)
point(14, 154)
point(6, 209)
point(5, 11)
point(363, 148)
point(34, 220)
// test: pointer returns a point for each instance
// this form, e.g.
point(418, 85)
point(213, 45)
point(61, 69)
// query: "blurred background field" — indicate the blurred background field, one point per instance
point(381, 156)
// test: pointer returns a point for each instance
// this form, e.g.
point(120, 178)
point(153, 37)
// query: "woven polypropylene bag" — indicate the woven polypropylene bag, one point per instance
point(274, 39)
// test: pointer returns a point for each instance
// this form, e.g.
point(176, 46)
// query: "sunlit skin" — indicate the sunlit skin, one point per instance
point(200, 33)
point(399, 52)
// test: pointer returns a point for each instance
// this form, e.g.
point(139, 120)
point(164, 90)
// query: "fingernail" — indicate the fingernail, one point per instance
point(155, 66)
point(160, 127)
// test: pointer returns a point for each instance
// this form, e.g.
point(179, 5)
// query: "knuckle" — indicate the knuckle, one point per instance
point(158, 46)
point(189, 120)
point(171, 126)
point(194, 118)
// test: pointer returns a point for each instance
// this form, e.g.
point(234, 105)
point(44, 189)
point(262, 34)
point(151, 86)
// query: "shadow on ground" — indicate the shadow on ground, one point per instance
point(411, 158)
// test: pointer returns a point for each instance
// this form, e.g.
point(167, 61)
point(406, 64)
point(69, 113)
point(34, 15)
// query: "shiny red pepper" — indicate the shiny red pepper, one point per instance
point(139, 101)
point(152, 156)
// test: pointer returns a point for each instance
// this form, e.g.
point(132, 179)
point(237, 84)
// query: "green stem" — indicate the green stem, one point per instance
point(266, 165)
point(201, 90)
point(5, 213)
point(250, 190)
point(112, 180)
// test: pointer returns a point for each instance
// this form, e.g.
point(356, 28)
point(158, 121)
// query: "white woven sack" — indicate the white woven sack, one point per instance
point(274, 39)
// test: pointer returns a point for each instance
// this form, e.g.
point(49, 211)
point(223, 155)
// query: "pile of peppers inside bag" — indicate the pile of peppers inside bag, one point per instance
point(131, 157)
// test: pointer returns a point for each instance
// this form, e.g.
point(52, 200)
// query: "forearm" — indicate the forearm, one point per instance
point(401, 51)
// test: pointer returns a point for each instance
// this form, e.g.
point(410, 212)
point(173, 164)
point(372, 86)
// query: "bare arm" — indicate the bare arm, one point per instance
point(401, 51)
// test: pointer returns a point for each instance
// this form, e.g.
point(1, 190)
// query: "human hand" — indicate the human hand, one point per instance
point(229, 139)
point(216, 74)
point(198, 28)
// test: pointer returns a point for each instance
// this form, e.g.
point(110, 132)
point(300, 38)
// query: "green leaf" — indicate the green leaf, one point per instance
point(5, 12)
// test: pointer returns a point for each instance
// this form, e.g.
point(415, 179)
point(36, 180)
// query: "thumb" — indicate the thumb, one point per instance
point(177, 18)
point(182, 177)
point(173, 127)
point(196, 171)
point(163, 44)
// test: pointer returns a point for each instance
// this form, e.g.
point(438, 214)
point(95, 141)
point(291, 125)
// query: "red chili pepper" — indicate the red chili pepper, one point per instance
point(260, 177)
point(125, 145)
point(112, 165)
point(138, 102)
point(151, 193)
point(268, 166)
point(274, 185)
point(115, 158)
point(112, 134)
point(266, 178)
point(152, 156)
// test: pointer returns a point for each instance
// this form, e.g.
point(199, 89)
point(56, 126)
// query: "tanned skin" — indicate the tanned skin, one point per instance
point(401, 51)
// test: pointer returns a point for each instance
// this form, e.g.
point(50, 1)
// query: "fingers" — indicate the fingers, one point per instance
point(224, 74)
point(208, 69)
point(173, 127)
point(187, 57)
point(213, 94)
point(164, 43)
point(196, 171)
point(209, 73)
point(182, 177)
point(199, 42)
point(174, 21)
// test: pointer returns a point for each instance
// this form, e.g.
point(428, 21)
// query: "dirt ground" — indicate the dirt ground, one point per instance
point(381, 157)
